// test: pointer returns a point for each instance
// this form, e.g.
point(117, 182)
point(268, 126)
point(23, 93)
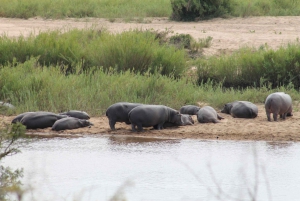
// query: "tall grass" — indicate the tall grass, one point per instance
point(266, 8)
point(32, 87)
point(254, 68)
point(131, 9)
point(85, 8)
point(136, 50)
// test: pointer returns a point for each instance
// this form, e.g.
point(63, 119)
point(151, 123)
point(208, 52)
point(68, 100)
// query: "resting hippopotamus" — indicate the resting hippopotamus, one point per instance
point(185, 120)
point(19, 117)
point(278, 103)
point(40, 119)
point(77, 114)
point(153, 115)
point(241, 109)
point(208, 114)
point(70, 123)
point(189, 109)
point(118, 112)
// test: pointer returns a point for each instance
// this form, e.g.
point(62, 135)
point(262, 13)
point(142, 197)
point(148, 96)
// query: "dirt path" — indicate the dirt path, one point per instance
point(228, 36)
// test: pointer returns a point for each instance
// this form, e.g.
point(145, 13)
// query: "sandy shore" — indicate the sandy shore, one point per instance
point(229, 129)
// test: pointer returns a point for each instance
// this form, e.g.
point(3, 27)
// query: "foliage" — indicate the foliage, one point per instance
point(9, 179)
point(253, 68)
point(188, 10)
point(32, 87)
point(133, 50)
point(129, 9)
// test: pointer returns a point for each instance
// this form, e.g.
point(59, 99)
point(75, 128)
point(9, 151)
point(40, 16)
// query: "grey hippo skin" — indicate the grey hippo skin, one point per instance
point(185, 120)
point(208, 114)
point(40, 119)
point(153, 115)
point(19, 117)
point(118, 112)
point(70, 123)
point(77, 114)
point(241, 109)
point(278, 103)
point(189, 109)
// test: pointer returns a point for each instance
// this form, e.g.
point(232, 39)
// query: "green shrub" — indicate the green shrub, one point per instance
point(253, 68)
point(133, 50)
point(189, 10)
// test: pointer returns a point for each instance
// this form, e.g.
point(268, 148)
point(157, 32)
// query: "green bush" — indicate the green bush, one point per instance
point(134, 50)
point(253, 68)
point(189, 10)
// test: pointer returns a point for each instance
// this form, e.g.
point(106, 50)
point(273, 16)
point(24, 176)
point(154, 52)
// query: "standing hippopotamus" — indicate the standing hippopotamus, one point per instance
point(40, 119)
point(77, 114)
point(241, 109)
point(70, 123)
point(208, 114)
point(153, 115)
point(278, 103)
point(189, 109)
point(118, 112)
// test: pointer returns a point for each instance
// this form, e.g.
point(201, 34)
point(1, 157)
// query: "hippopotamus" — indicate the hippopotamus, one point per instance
point(153, 115)
point(189, 109)
point(118, 112)
point(19, 117)
point(208, 114)
point(278, 103)
point(70, 123)
point(185, 120)
point(77, 114)
point(40, 119)
point(241, 109)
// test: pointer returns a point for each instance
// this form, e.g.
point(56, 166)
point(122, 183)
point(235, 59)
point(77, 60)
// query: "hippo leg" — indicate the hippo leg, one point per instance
point(133, 127)
point(160, 126)
point(112, 124)
point(216, 121)
point(268, 116)
point(284, 115)
point(219, 117)
point(275, 116)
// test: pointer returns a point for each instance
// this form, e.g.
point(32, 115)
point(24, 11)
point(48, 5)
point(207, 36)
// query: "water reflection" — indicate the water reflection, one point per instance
point(124, 140)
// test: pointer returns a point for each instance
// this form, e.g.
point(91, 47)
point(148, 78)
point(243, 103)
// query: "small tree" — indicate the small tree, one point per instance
point(9, 179)
point(190, 10)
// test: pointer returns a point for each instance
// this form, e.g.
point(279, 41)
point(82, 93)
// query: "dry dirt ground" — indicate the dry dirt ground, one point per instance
point(228, 36)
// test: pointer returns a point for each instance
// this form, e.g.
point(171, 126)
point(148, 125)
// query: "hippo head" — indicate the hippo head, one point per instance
point(177, 119)
point(86, 123)
point(227, 108)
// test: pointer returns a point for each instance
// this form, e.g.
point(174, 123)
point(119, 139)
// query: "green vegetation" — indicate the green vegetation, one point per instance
point(10, 179)
point(138, 9)
point(254, 68)
point(139, 51)
point(128, 9)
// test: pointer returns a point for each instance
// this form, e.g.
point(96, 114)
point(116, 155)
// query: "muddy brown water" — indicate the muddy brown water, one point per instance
point(135, 168)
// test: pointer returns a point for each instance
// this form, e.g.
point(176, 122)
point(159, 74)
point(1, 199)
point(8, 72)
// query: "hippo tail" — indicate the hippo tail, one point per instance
point(253, 114)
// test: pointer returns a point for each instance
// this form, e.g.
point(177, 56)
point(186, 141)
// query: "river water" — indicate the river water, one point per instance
point(135, 169)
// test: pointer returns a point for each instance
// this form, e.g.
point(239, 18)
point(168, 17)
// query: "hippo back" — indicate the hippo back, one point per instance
point(189, 109)
point(77, 114)
point(70, 123)
point(40, 120)
point(153, 115)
